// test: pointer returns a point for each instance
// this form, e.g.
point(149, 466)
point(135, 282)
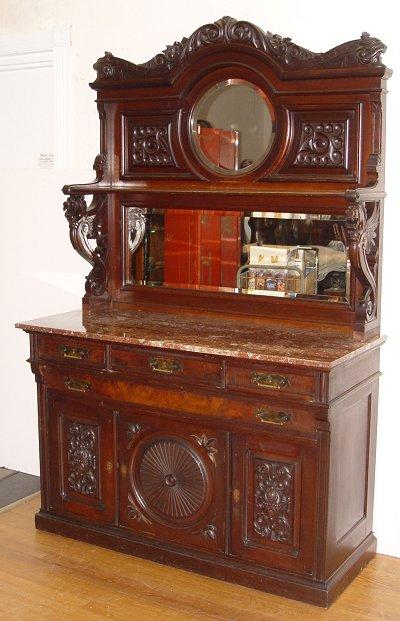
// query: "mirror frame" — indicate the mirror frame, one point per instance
point(193, 129)
point(196, 90)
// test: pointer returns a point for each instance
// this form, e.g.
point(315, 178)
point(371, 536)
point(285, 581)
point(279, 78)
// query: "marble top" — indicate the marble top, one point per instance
point(318, 349)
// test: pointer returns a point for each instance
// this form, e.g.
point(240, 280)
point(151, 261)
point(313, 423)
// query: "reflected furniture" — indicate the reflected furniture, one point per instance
point(213, 405)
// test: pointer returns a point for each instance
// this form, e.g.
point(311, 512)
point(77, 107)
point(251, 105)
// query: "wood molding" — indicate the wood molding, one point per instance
point(41, 50)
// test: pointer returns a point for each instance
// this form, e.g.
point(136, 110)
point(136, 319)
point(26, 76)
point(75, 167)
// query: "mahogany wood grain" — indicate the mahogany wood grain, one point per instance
point(267, 380)
point(166, 366)
point(71, 350)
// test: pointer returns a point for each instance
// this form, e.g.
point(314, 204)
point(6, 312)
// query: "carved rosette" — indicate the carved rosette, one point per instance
point(85, 225)
point(227, 30)
point(150, 146)
point(322, 144)
point(273, 500)
point(173, 481)
point(82, 459)
point(361, 236)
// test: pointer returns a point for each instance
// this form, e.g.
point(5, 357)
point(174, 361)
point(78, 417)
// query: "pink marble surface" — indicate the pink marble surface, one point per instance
point(318, 349)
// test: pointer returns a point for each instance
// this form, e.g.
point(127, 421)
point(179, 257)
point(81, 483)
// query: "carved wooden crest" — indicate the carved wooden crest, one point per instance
point(283, 51)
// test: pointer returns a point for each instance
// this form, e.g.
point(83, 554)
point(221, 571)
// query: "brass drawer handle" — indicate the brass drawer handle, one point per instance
point(273, 418)
point(265, 380)
point(77, 385)
point(164, 365)
point(73, 353)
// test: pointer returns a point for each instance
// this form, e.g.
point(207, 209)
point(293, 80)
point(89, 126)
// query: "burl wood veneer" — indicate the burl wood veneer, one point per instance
point(228, 434)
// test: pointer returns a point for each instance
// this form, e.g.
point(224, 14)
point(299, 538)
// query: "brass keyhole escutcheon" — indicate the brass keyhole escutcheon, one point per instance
point(123, 470)
point(109, 466)
point(236, 495)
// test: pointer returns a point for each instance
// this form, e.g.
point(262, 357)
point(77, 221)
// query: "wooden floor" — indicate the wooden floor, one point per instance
point(44, 576)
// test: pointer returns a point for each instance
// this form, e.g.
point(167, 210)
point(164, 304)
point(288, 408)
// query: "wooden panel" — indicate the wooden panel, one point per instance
point(81, 459)
point(270, 380)
point(351, 373)
point(351, 473)
point(320, 147)
point(166, 366)
point(74, 351)
point(147, 146)
point(274, 502)
point(262, 414)
point(173, 480)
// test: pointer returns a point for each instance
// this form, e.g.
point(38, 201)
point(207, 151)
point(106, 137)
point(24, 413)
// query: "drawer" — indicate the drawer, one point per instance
point(269, 381)
point(166, 367)
point(227, 410)
point(74, 351)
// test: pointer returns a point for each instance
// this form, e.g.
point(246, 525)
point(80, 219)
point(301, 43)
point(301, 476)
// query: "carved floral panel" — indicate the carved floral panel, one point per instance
point(274, 500)
point(82, 458)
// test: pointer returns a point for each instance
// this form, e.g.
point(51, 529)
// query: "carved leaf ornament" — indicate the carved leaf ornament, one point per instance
point(364, 51)
point(273, 500)
point(85, 225)
point(82, 459)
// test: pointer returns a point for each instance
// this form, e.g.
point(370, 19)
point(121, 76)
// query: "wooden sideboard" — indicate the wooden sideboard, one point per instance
point(247, 463)
point(210, 408)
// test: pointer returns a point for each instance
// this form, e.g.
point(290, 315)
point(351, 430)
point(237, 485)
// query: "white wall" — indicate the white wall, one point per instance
point(41, 274)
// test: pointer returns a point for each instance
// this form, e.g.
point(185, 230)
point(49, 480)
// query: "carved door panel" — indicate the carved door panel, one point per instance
point(274, 502)
point(172, 480)
point(81, 459)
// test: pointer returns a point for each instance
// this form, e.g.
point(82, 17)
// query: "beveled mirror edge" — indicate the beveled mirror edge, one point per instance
point(192, 129)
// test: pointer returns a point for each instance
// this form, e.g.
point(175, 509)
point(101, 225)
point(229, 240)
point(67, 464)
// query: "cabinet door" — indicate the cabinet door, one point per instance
point(274, 502)
point(172, 480)
point(81, 458)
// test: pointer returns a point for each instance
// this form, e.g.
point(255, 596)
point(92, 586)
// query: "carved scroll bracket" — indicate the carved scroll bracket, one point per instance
point(136, 222)
point(363, 253)
point(89, 224)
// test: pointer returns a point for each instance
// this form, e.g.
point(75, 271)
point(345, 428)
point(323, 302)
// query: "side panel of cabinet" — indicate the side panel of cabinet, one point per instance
point(274, 502)
point(81, 459)
point(173, 480)
point(351, 473)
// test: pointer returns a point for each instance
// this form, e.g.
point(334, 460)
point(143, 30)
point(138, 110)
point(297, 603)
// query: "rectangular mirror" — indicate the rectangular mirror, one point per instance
point(242, 252)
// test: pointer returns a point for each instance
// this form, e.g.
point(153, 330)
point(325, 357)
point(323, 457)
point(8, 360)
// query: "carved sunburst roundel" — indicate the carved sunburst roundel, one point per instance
point(173, 480)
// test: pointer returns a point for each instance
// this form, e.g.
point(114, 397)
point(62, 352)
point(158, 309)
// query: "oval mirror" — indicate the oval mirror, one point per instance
point(232, 127)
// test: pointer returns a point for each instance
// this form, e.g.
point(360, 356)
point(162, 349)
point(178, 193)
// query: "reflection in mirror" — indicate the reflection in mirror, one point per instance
point(258, 253)
point(232, 126)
